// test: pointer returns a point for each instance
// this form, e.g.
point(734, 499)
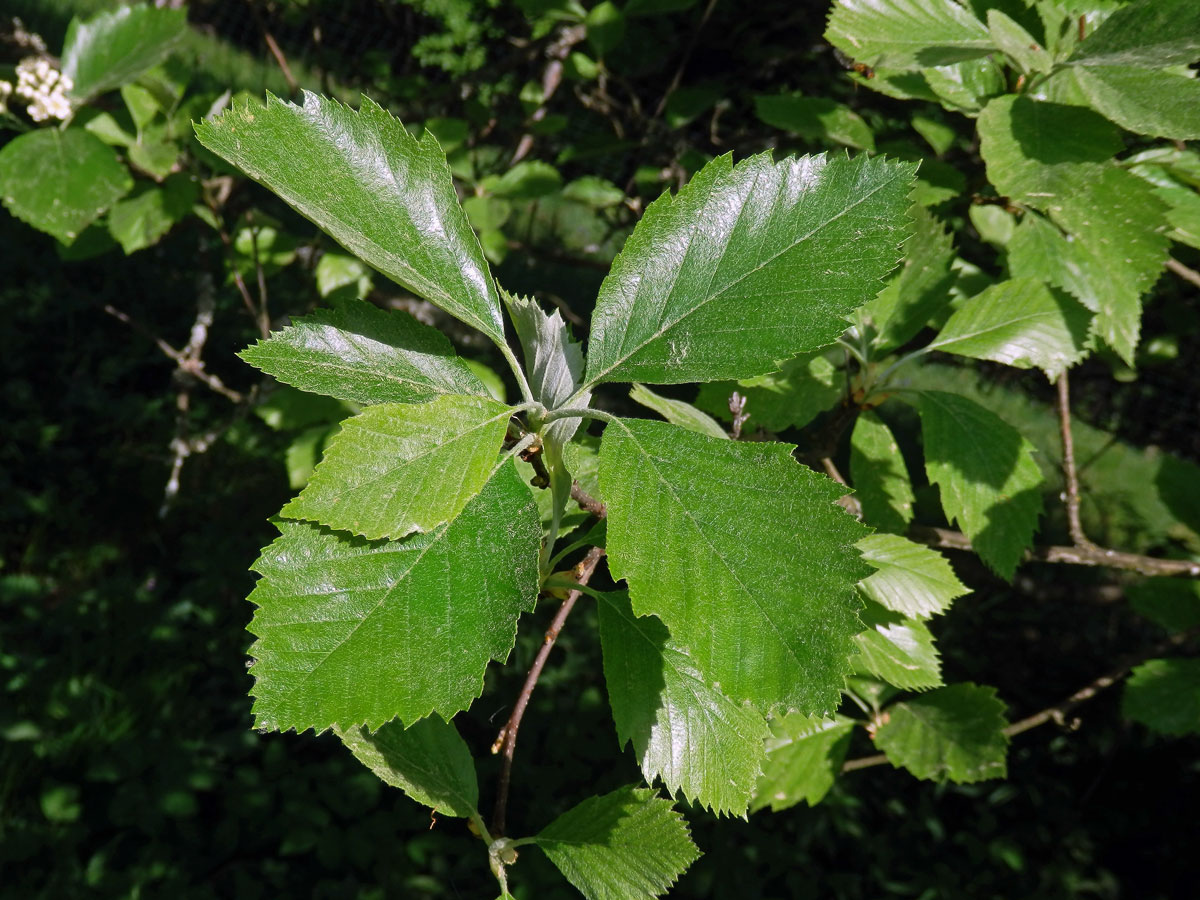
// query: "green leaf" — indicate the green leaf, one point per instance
point(1020, 323)
point(678, 412)
point(1172, 603)
point(803, 388)
point(988, 479)
point(1183, 213)
point(593, 191)
point(911, 579)
point(804, 756)
point(907, 34)
point(966, 87)
point(1150, 33)
point(113, 48)
point(428, 761)
point(605, 27)
point(352, 632)
point(397, 468)
point(898, 650)
point(1164, 694)
point(364, 354)
point(627, 845)
point(683, 729)
point(879, 475)
point(60, 181)
point(1058, 159)
point(815, 119)
point(747, 265)
point(772, 628)
point(141, 220)
point(553, 361)
point(526, 181)
point(995, 224)
point(920, 289)
point(955, 733)
point(341, 276)
point(143, 106)
point(1020, 46)
point(382, 194)
point(1144, 101)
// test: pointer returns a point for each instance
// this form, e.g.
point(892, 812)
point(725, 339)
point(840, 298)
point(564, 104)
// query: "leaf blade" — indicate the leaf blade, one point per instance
point(907, 34)
point(804, 756)
point(910, 578)
point(114, 47)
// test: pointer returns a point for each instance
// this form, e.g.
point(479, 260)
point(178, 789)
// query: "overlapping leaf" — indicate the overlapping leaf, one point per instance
point(802, 389)
point(60, 181)
point(429, 761)
point(746, 265)
point(774, 628)
point(911, 579)
point(879, 475)
point(352, 632)
point(898, 650)
point(1164, 694)
point(1019, 322)
point(804, 754)
point(364, 354)
point(907, 34)
point(114, 47)
point(627, 845)
point(955, 733)
point(678, 412)
point(1149, 33)
point(397, 468)
point(553, 361)
point(683, 729)
point(1144, 101)
point(385, 196)
point(988, 479)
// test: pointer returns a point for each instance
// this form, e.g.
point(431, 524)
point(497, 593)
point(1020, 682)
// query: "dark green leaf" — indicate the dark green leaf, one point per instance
point(772, 628)
point(1144, 101)
point(747, 265)
point(627, 845)
point(879, 475)
point(1164, 694)
point(815, 119)
point(385, 196)
point(1173, 603)
point(804, 755)
point(1150, 33)
point(352, 632)
point(140, 221)
point(364, 354)
point(60, 181)
point(113, 48)
point(428, 761)
point(803, 388)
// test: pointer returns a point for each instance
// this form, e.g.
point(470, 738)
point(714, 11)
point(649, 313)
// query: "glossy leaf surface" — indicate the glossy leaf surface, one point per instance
point(398, 468)
point(114, 47)
point(907, 34)
point(898, 650)
point(910, 578)
point(772, 628)
point(747, 265)
point(352, 632)
point(683, 729)
point(385, 196)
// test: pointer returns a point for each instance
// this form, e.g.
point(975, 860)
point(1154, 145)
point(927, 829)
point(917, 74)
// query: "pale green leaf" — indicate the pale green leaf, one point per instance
point(747, 265)
point(364, 354)
point(342, 276)
point(352, 632)
point(113, 48)
point(1021, 323)
point(385, 196)
point(683, 729)
point(627, 845)
point(1057, 159)
point(677, 412)
point(60, 181)
point(526, 181)
point(141, 220)
point(803, 388)
point(907, 34)
point(553, 362)
point(988, 479)
point(1144, 101)
point(774, 628)
point(879, 475)
point(1164, 695)
point(995, 224)
point(920, 289)
point(1020, 46)
point(1183, 213)
point(911, 579)
point(594, 191)
point(429, 761)
point(397, 468)
point(1149, 33)
point(804, 755)
point(815, 119)
point(966, 87)
point(898, 650)
point(955, 733)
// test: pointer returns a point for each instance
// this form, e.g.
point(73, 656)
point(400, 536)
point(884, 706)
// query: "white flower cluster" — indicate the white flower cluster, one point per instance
point(5, 92)
point(45, 88)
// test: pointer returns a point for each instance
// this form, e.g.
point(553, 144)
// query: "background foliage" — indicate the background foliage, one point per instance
point(128, 764)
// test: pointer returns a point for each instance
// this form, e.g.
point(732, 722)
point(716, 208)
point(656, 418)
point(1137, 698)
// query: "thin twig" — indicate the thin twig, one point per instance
point(848, 502)
point(1071, 494)
point(1076, 556)
point(687, 56)
point(1183, 271)
point(587, 502)
point(280, 59)
point(1058, 712)
point(506, 741)
point(552, 77)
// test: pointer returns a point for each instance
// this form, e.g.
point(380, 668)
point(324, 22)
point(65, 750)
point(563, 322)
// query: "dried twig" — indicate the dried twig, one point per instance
point(1184, 272)
point(506, 741)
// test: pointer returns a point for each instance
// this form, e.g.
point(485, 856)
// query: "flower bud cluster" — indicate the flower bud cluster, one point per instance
point(45, 88)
